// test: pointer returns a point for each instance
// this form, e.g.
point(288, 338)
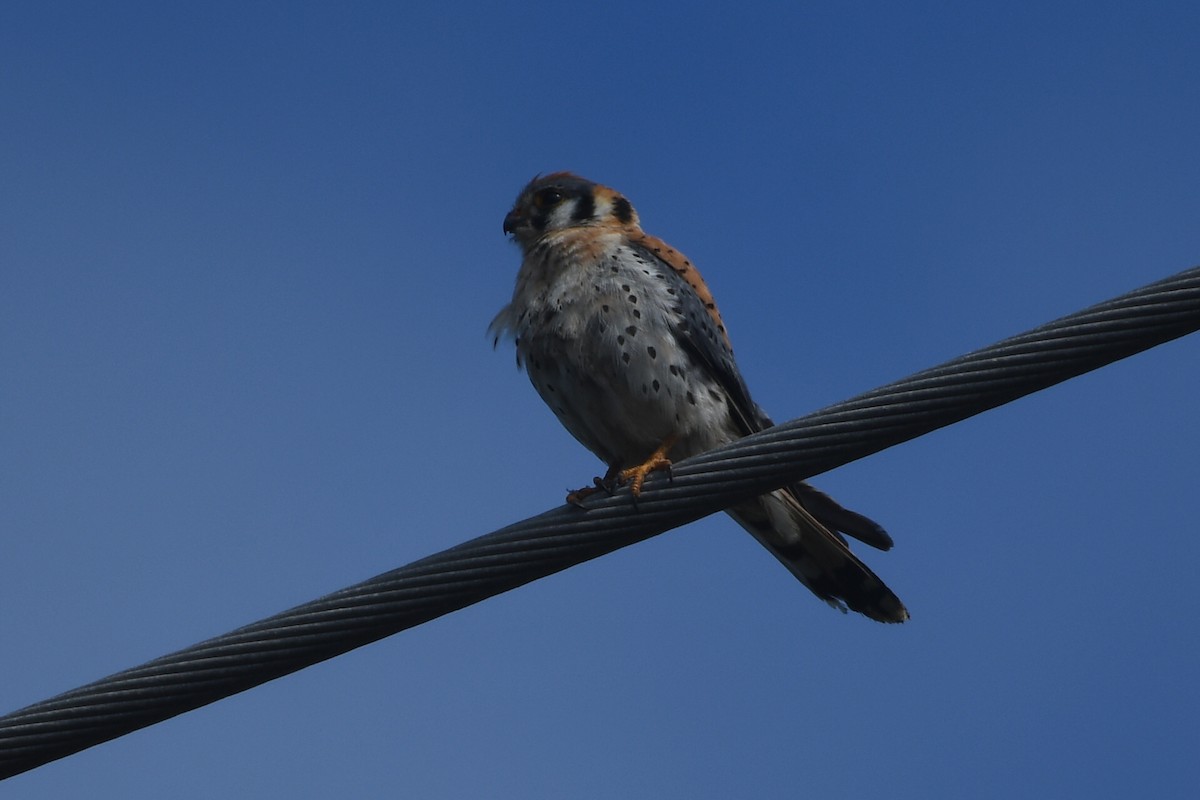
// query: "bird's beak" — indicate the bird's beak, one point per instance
point(511, 221)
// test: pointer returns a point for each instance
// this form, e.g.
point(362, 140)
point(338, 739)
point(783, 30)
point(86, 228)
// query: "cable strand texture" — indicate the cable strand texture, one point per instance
point(560, 538)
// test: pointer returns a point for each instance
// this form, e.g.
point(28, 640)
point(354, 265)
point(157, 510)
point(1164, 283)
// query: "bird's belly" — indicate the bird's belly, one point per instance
point(622, 389)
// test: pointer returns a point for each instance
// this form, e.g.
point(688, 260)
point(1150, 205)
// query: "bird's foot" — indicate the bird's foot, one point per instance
point(657, 462)
point(634, 477)
point(608, 484)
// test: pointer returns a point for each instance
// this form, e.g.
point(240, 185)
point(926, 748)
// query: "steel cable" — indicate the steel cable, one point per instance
point(563, 537)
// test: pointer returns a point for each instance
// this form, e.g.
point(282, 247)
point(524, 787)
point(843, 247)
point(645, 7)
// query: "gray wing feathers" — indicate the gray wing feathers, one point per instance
point(799, 524)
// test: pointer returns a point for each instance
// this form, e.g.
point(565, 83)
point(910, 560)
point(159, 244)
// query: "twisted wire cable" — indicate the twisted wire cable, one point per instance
point(560, 538)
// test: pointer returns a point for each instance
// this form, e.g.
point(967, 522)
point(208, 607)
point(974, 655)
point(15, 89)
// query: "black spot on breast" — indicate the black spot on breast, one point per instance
point(633, 299)
point(620, 339)
point(637, 314)
point(656, 385)
point(653, 353)
point(604, 308)
point(674, 369)
point(691, 398)
point(671, 290)
point(631, 330)
point(624, 287)
point(625, 357)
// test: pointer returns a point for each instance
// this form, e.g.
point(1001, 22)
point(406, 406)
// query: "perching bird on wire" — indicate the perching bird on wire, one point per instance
point(622, 339)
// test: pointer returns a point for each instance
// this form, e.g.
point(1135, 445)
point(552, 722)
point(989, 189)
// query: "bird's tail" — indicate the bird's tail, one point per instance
point(800, 525)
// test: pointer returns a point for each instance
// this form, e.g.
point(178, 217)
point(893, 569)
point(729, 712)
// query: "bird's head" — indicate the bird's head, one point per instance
point(563, 200)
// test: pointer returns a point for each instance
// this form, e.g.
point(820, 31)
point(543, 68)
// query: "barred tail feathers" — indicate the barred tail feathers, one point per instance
point(816, 556)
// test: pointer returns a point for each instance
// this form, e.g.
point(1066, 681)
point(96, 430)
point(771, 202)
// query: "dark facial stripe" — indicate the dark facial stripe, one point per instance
point(585, 207)
point(622, 210)
point(538, 220)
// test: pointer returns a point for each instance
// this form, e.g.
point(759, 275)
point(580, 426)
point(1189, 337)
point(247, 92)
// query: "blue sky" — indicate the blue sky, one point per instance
point(248, 253)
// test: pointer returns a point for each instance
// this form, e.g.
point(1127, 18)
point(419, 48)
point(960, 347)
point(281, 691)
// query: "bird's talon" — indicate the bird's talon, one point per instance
point(607, 484)
point(577, 497)
point(657, 462)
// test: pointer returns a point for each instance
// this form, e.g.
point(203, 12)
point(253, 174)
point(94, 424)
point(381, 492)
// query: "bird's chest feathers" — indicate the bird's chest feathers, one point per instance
point(605, 319)
point(563, 285)
point(597, 324)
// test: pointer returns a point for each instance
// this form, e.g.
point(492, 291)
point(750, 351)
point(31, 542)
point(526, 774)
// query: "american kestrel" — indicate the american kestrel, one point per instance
point(622, 339)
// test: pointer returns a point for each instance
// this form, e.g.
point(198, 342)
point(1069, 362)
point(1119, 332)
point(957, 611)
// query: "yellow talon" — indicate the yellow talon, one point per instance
point(636, 476)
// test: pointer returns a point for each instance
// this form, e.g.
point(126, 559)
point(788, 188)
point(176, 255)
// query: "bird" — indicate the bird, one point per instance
point(622, 339)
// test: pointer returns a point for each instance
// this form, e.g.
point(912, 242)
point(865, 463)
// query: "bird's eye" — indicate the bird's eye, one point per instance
point(546, 198)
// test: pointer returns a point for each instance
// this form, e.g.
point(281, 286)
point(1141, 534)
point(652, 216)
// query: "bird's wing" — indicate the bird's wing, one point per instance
point(698, 327)
point(700, 330)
